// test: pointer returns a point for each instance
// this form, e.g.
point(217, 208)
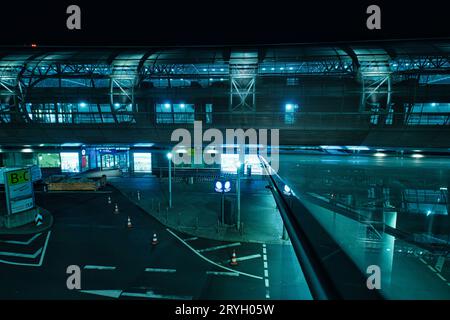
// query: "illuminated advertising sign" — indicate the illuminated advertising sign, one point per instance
point(19, 190)
point(70, 162)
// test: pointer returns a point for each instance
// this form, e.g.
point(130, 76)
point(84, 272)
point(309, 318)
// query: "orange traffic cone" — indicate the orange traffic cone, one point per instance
point(233, 259)
point(116, 209)
point(109, 200)
point(129, 225)
point(155, 240)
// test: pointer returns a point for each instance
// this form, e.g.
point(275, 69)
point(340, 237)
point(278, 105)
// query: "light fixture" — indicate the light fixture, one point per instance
point(117, 105)
point(417, 156)
point(182, 105)
point(218, 186)
point(167, 105)
point(287, 190)
point(380, 154)
point(169, 155)
point(289, 107)
point(82, 104)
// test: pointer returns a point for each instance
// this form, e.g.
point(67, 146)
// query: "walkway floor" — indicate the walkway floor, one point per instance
point(196, 208)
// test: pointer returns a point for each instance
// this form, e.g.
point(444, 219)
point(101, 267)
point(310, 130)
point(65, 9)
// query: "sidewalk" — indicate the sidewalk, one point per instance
point(195, 208)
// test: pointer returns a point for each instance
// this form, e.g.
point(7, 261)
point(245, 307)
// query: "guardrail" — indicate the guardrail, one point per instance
point(329, 271)
point(231, 119)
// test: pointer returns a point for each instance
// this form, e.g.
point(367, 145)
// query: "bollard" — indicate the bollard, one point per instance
point(139, 196)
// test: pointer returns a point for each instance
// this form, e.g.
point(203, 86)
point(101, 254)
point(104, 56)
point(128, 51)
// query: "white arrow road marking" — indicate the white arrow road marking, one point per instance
point(152, 295)
point(220, 247)
point(210, 261)
point(160, 270)
point(89, 267)
point(216, 273)
point(22, 242)
point(43, 250)
point(105, 293)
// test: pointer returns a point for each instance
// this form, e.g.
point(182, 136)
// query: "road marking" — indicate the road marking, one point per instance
point(220, 247)
point(22, 242)
point(22, 255)
point(191, 239)
point(90, 267)
point(266, 271)
point(160, 270)
point(423, 260)
point(105, 293)
point(152, 295)
point(442, 278)
point(431, 268)
point(253, 256)
point(31, 264)
point(210, 261)
point(217, 273)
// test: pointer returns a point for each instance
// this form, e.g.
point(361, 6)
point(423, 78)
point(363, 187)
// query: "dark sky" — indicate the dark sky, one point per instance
point(217, 22)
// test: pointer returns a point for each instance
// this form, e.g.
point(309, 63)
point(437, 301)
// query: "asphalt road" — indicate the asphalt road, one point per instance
point(118, 262)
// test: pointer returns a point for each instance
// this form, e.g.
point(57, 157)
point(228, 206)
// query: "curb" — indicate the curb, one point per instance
point(29, 229)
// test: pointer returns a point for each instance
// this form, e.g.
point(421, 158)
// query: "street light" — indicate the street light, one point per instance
point(238, 191)
point(222, 187)
point(169, 156)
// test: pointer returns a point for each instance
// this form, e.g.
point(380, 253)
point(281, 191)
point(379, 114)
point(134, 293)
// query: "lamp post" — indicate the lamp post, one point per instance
point(288, 192)
point(222, 188)
point(169, 156)
point(238, 191)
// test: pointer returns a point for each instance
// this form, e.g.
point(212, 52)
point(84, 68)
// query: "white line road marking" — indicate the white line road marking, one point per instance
point(210, 261)
point(22, 255)
point(431, 268)
point(90, 267)
point(442, 278)
point(32, 264)
point(191, 239)
point(160, 270)
point(423, 260)
point(216, 273)
point(220, 247)
point(22, 242)
point(253, 256)
point(266, 271)
point(151, 295)
point(105, 293)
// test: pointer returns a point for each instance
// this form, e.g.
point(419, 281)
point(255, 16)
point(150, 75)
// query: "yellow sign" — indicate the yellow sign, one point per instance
point(18, 176)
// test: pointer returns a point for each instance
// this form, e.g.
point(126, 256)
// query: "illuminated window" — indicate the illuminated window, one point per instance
point(70, 162)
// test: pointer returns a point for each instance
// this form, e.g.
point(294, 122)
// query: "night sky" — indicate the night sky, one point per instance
point(217, 22)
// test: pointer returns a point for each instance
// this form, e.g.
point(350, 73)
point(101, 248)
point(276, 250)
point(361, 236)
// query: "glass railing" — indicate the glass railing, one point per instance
point(358, 250)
